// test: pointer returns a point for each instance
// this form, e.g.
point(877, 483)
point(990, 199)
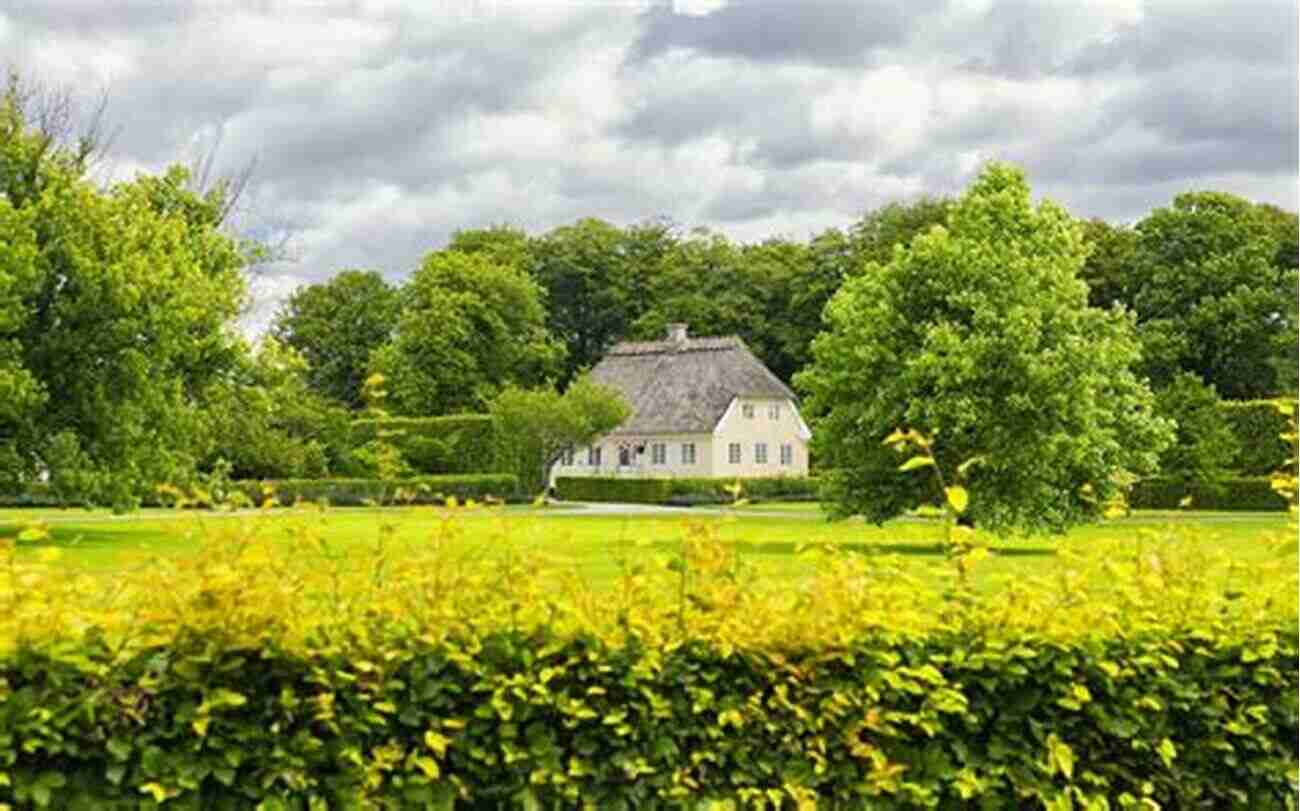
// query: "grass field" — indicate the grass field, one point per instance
point(597, 543)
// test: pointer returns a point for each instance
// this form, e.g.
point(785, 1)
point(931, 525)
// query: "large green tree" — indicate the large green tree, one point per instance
point(597, 282)
point(335, 325)
point(117, 306)
point(535, 427)
point(468, 327)
point(1212, 281)
point(979, 335)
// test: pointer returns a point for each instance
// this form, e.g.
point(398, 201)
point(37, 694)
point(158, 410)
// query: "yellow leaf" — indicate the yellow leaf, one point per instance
point(438, 743)
point(158, 792)
point(427, 765)
point(1185, 501)
point(915, 462)
point(958, 497)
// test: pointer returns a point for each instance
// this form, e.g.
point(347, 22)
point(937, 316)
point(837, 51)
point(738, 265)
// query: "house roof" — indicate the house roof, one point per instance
point(684, 385)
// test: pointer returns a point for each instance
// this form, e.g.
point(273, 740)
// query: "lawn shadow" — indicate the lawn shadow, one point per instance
point(907, 548)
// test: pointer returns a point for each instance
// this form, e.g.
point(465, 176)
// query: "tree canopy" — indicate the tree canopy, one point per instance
point(116, 306)
point(468, 327)
point(1214, 290)
point(335, 325)
point(536, 426)
point(978, 334)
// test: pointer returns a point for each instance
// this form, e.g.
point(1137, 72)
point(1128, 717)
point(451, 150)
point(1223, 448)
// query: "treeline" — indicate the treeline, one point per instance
point(121, 367)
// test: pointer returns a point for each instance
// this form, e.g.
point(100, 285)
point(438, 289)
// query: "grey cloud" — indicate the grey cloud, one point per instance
point(842, 33)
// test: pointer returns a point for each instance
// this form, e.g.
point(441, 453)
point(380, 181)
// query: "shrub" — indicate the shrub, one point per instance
point(1259, 427)
point(261, 673)
point(356, 492)
point(460, 443)
point(684, 492)
point(1242, 493)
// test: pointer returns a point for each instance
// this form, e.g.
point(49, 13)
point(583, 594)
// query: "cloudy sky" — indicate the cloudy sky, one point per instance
point(379, 128)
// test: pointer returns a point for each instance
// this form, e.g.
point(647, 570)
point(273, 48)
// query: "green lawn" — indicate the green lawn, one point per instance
point(597, 545)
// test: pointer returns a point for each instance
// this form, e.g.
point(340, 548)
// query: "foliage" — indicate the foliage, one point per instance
point(535, 427)
point(359, 492)
point(685, 491)
point(115, 306)
point(468, 328)
point(266, 423)
point(460, 443)
point(335, 325)
point(300, 674)
point(1108, 263)
point(1228, 493)
point(979, 334)
point(1204, 445)
point(1259, 427)
point(1211, 297)
point(596, 279)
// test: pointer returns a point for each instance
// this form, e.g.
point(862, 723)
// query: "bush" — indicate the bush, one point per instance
point(683, 492)
point(357, 492)
point(274, 670)
point(1245, 493)
point(603, 488)
point(460, 443)
point(1186, 719)
point(1259, 427)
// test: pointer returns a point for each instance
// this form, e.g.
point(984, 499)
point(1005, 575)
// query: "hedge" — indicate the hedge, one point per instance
point(272, 669)
point(948, 720)
point(1259, 426)
point(683, 491)
point(357, 492)
point(460, 443)
point(1245, 493)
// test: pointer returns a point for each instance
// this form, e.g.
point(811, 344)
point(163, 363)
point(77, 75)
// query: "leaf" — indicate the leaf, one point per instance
point(1167, 752)
point(958, 497)
point(155, 790)
point(1185, 502)
point(916, 462)
point(1060, 757)
point(428, 766)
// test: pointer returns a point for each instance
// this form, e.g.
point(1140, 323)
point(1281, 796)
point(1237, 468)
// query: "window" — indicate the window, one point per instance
point(774, 411)
point(624, 456)
point(567, 458)
point(760, 453)
point(658, 454)
point(787, 454)
point(688, 453)
point(747, 410)
point(733, 453)
point(593, 456)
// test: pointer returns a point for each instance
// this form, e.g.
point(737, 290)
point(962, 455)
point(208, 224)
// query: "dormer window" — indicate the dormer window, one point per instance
point(774, 411)
point(747, 410)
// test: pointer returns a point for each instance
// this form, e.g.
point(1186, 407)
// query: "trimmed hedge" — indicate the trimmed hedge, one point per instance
point(1259, 427)
point(683, 492)
point(357, 492)
point(1246, 493)
point(459, 443)
point(948, 720)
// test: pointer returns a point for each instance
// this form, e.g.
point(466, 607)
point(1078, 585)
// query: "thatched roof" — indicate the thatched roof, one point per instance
point(684, 385)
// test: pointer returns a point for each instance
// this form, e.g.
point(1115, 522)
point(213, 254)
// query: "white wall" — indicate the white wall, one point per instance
point(787, 428)
point(642, 465)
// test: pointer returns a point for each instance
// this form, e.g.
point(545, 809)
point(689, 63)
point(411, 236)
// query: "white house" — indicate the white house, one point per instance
point(701, 407)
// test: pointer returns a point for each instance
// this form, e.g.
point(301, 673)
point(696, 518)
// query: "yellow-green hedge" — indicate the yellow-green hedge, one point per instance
point(275, 667)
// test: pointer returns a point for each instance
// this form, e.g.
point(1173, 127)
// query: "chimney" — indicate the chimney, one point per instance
point(677, 333)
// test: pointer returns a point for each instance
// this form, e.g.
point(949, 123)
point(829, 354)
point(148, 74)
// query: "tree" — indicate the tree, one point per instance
point(1214, 292)
point(263, 421)
point(596, 277)
point(1204, 445)
point(117, 311)
point(468, 328)
point(501, 244)
point(1108, 263)
point(979, 335)
point(536, 426)
point(335, 325)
